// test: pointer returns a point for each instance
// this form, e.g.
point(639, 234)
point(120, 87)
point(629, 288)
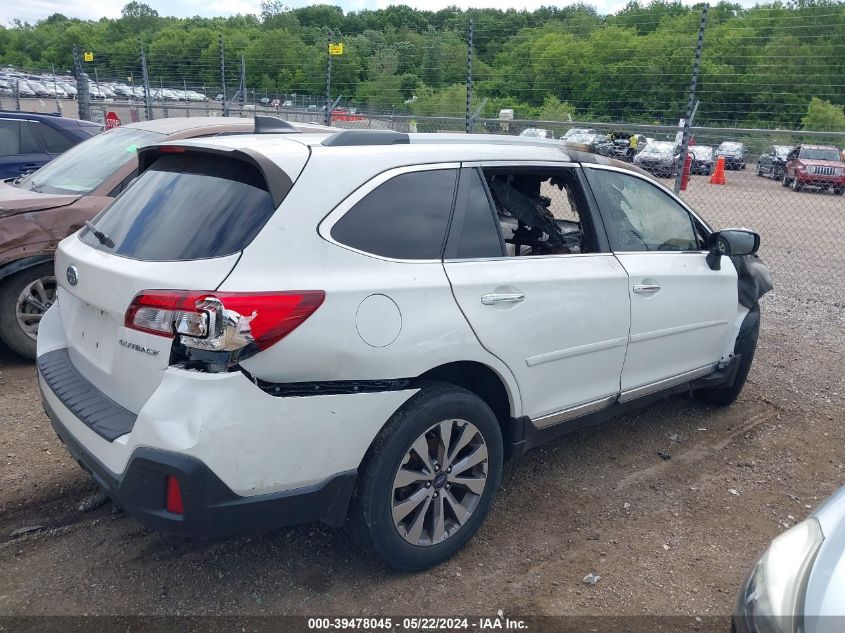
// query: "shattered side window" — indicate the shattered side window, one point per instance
point(639, 216)
point(541, 210)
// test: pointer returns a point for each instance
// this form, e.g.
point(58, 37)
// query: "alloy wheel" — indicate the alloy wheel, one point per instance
point(439, 483)
point(33, 301)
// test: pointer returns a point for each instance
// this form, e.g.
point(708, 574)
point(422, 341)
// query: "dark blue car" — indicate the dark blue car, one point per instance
point(28, 140)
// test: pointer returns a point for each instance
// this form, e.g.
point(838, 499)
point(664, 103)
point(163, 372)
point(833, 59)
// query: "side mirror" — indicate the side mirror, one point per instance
point(730, 242)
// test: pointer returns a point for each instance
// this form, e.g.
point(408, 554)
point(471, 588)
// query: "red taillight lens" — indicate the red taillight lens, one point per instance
point(173, 500)
point(153, 311)
point(271, 317)
point(222, 320)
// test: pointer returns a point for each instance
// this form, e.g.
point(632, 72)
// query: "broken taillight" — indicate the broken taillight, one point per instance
point(235, 323)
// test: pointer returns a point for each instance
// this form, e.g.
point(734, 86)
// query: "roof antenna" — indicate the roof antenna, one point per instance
point(273, 125)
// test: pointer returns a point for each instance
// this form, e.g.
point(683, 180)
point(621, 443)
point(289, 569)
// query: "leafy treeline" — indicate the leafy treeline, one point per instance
point(761, 66)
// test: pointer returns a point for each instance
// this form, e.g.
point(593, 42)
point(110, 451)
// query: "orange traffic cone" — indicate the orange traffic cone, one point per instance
point(718, 177)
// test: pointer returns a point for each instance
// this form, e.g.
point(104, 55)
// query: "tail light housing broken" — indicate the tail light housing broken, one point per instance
point(214, 330)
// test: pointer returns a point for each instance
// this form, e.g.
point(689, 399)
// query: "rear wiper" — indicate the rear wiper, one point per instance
point(102, 238)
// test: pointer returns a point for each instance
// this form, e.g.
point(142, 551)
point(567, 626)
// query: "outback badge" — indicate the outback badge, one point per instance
point(72, 275)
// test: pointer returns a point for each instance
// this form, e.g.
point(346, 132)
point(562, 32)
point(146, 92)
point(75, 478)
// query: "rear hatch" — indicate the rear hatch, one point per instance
point(181, 225)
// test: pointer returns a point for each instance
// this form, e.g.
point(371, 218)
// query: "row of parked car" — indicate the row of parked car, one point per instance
point(213, 412)
point(29, 85)
point(64, 87)
point(799, 167)
point(655, 156)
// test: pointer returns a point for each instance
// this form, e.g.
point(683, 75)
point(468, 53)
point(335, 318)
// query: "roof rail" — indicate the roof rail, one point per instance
point(273, 125)
point(347, 138)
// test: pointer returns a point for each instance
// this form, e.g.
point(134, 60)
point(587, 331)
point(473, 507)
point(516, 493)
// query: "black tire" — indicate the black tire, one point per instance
point(796, 187)
point(371, 516)
point(10, 290)
point(839, 191)
point(785, 181)
point(745, 346)
point(759, 171)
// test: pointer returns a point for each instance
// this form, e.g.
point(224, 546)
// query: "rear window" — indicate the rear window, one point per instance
point(186, 206)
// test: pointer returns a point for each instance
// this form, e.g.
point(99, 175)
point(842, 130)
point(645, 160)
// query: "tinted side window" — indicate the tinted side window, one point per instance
point(639, 216)
point(403, 218)
point(29, 142)
point(473, 233)
point(17, 137)
point(10, 138)
point(54, 141)
point(187, 206)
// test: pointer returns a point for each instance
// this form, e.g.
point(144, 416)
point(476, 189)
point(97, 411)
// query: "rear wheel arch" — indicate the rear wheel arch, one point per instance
point(487, 384)
point(479, 379)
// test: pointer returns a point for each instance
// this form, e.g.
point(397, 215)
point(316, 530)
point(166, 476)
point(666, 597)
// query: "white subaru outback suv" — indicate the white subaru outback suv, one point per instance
point(360, 327)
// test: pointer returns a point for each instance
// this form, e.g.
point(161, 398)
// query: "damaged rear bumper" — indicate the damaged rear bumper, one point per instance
point(210, 507)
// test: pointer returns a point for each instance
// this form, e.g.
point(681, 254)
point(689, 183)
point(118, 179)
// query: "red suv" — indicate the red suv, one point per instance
point(815, 166)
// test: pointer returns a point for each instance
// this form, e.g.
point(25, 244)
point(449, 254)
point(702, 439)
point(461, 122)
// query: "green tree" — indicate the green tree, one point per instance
point(824, 116)
point(408, 85)
point(432, 61)
point(553, 109)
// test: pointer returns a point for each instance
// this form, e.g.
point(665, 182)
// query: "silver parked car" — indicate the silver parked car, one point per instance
point(798, 585)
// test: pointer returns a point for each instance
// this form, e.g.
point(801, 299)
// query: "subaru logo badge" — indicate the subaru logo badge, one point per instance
point(72, 275)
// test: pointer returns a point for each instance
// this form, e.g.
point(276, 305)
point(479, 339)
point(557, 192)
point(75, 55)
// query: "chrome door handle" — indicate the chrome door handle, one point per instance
point(493, 299)
point(644, 289)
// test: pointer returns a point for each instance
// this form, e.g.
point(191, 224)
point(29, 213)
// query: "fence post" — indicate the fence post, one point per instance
point(162, 97)
point(83, 96)
point(97, 83)
point(327, 115)
point(470, 123)
point(18, 95)
point(242, 89)
point(223, 77)
point(56, 90)
point(691, 102)
point(148, 102)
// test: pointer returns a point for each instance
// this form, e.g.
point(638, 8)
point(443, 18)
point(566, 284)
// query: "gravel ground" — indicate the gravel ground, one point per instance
point(667, 537)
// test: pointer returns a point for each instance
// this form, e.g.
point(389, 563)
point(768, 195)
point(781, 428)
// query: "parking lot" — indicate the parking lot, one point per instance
point(667, 536)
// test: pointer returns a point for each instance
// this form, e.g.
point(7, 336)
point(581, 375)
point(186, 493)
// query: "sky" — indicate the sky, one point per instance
point(34, 10)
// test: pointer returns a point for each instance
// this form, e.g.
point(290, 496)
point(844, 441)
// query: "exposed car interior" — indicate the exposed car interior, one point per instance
point(539, 212)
